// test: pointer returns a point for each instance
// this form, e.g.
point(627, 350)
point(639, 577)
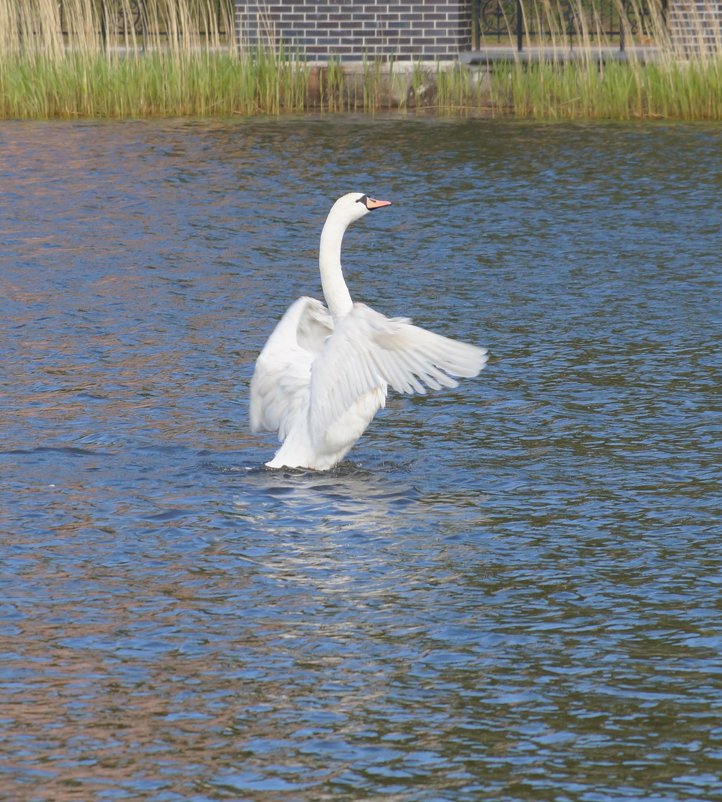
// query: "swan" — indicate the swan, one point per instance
point(325, 371)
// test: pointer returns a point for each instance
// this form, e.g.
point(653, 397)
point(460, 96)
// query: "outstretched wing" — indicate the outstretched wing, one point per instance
point(368, 350)
point(281, 380)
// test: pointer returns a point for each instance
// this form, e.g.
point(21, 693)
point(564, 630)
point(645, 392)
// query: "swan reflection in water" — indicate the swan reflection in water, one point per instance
point(349, 497)
point(350, 527)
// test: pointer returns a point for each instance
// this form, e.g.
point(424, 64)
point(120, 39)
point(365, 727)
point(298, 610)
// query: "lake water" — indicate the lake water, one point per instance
point(508, 591)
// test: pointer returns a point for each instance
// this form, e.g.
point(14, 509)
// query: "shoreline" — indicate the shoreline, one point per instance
point(546, 84)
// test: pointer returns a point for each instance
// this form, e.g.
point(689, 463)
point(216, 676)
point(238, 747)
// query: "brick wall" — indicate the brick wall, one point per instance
point(405, 30)
point(695, 26)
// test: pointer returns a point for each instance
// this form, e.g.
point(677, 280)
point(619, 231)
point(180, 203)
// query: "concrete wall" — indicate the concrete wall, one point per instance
point(405, 30)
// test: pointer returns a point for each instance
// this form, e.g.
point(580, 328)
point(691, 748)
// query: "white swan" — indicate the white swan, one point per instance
point(324, 373)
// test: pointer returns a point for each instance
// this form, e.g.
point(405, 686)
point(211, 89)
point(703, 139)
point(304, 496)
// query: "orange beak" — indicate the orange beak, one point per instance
point(372, 203)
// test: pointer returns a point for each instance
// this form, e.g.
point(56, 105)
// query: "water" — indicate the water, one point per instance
point(509, 591)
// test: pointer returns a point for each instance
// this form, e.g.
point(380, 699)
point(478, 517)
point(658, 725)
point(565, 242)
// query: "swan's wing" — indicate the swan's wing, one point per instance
point(368, 350)
point(281, 380)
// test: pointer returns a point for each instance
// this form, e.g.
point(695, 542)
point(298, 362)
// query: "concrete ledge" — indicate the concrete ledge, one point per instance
point(558, 55)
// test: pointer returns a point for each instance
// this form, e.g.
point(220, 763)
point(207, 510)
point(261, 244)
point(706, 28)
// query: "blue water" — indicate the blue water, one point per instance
point(507, 591)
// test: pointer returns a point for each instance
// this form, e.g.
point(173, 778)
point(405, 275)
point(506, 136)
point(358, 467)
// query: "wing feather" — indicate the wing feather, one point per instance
point(281, 380)
point(368, 351)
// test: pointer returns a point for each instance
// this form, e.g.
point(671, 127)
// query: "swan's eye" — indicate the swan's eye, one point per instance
point(363, 199)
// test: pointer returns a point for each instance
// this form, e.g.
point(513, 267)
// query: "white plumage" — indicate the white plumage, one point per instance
point(324, 373)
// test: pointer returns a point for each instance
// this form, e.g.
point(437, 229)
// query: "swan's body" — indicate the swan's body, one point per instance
point(324, 373)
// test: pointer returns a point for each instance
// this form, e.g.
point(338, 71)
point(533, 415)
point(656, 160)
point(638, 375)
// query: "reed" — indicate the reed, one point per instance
point(681, 81)
point(666, 89)
point(181, 60)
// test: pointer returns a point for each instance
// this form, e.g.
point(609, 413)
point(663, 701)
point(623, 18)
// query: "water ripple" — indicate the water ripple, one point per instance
point(507, 591)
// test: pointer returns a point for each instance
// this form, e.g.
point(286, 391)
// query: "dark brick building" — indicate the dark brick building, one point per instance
point(405, 30)
point(696, 25)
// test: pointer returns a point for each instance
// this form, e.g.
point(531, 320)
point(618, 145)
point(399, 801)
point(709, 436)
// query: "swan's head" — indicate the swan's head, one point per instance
point(355, 205)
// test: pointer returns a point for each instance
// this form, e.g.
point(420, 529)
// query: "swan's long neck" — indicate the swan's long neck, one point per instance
point(335, 290)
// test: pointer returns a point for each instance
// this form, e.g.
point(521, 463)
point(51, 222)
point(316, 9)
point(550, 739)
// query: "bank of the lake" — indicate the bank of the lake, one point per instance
point(66, 62)
point(170, 83)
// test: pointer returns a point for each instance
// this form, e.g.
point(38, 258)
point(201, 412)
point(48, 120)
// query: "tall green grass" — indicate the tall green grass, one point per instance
point(582, 77)
point(154, 84)
point(674, 89)
point(184, 62)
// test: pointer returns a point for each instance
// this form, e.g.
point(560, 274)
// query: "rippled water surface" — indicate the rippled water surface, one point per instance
point(508, 591)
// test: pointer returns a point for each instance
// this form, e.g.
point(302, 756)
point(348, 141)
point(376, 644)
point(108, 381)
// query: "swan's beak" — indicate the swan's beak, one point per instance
point(372, 203)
